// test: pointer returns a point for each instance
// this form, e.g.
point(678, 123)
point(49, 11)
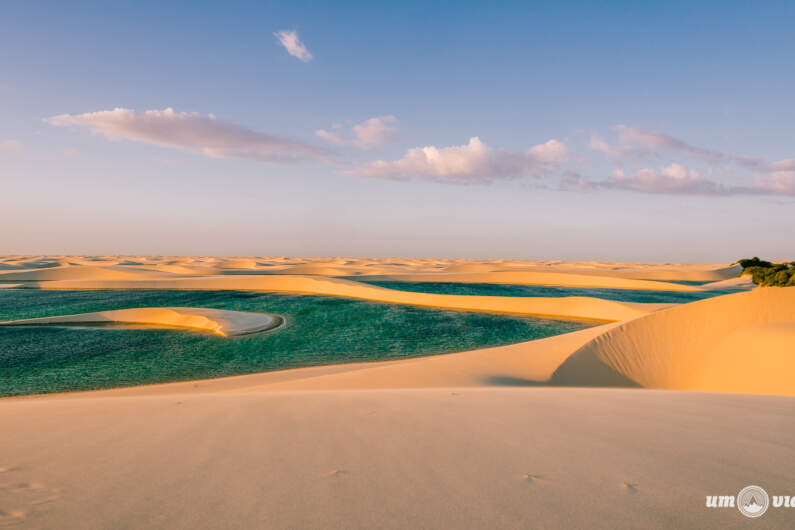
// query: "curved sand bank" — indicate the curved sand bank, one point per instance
point(557, 279)
point(654, 271)
point(743, 342)
point(218, 321)
point(566, 307)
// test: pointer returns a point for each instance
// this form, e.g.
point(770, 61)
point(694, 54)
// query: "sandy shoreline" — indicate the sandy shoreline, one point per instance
point(748, 350)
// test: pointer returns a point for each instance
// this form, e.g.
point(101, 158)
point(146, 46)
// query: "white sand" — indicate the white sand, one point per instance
point(742, 342)
point(219, 321)
point(435, 458)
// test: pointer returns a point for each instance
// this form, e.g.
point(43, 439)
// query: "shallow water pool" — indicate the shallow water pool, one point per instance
point(320, 330)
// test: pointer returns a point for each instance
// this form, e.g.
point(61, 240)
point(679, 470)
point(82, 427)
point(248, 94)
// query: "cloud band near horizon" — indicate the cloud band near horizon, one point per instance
point(190, 131)
point(472, 163)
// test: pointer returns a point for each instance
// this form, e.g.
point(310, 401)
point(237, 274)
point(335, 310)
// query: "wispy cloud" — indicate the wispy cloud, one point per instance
point(634, 144)
point(650, 140)
point(192, 132)
point(365, 135)
point(671, 180)
point(289, 39)
point(10, 145)
point(71, 153)
point(778, 183)
point(474, 162)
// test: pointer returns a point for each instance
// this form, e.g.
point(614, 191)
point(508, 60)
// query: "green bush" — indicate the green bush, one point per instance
point(754, 262)
point(769, 274)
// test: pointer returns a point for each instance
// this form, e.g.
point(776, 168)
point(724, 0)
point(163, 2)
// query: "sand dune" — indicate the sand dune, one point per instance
point(74, 273)
point(238, 263)
point(566, 307)
point(526, 364)
point(427, 458)
point(338, 266)
point(218, 321)
point(743, 342)
point(691, 274)
point(319, 269)
point(741, 282)
point(653, 271)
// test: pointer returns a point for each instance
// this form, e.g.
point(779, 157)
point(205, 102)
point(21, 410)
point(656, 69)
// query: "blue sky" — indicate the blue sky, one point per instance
point(604, 131)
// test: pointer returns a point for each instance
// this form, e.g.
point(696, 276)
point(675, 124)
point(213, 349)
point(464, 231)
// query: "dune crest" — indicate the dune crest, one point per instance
point(743, 342)
point(218, 321)
point(72, 272)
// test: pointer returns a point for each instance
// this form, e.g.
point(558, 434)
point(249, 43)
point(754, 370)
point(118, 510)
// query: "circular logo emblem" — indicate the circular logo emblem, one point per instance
point(752, 501)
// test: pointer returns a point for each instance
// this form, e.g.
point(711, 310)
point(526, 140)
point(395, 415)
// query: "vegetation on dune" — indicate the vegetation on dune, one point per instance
point(769, 274)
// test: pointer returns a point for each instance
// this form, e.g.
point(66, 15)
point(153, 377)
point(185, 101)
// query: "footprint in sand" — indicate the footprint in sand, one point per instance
point(530, 477)
point(630, 487)
point(11, 517)
point(337, 473)
point(22, 499)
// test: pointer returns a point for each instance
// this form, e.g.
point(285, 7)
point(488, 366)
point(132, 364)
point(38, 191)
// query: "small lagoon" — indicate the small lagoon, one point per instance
point(321, 330)
point(492, 289)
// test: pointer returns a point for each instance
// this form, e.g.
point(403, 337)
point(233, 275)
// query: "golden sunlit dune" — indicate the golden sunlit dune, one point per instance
point(743, 342)
point(667, 272)
point(75, 273)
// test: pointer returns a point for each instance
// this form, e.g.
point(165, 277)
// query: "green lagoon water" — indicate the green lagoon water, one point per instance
point(492, 289)
point(320, 330)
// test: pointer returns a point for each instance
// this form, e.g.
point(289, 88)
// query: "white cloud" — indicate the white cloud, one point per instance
point(778, 183)
point(675, 179)
point(671, 180)
point(289, 39)
point(365, 135)
point(616, 152)
point(10, 145)
point(474, 162)
point(191, 132)
point(785, 166)
point(642, 139)
point(552, 152)
point(634, 143)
